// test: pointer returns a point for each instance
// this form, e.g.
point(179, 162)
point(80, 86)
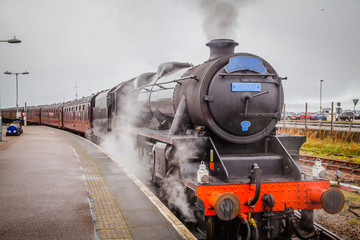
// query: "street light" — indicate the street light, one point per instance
point(17, 92)
point(321, 81)
point(14, 40)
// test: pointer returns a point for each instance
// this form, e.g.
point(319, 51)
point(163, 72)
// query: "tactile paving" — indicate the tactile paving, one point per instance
point(109, 221)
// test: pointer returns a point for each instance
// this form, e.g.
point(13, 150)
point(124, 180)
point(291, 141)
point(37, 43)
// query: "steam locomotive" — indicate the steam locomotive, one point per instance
point(213, 127)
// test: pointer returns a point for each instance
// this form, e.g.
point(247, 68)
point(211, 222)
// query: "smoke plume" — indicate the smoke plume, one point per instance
point(221, 17)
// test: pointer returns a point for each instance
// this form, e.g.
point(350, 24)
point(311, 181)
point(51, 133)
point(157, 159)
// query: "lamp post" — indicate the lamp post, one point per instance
point(14, 40)
point(17, 91)
point(321, 81)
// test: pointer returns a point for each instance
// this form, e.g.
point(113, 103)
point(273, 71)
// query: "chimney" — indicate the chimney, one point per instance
point(221, 47)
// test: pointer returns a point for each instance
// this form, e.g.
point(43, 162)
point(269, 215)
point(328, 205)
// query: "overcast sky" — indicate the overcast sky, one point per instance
point(96, 44)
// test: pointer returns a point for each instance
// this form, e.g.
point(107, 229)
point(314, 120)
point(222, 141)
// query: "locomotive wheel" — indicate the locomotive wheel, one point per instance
point(287, 229)
point(172, 169)
point(307, 220)
point(210, 228)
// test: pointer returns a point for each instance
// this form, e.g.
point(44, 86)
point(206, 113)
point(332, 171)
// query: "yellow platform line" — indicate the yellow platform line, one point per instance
point(173, 220)
point(109, 223)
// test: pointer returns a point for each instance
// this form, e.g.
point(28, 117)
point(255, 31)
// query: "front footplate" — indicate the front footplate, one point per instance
point(297, 195)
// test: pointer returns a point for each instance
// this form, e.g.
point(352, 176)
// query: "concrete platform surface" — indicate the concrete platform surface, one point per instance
point(42, 191)
point(56, 185)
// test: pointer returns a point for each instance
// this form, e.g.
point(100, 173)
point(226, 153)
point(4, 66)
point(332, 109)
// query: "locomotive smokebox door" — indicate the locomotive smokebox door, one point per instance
point(245, 98)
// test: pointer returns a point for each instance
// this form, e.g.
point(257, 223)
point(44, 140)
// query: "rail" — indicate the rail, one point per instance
point(332, 164)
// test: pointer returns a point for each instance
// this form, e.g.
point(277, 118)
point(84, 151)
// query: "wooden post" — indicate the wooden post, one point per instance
point(332, 116)
point(306, 118)
point(284, 116)
point(0, 127)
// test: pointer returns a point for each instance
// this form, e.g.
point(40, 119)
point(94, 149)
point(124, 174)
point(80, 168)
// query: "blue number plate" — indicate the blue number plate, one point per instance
point(245, 87)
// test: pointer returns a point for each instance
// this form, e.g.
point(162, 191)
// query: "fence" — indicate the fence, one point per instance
point(319, 125)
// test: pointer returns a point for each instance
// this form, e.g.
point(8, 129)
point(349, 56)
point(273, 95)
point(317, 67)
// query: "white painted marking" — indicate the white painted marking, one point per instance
point(96, 232)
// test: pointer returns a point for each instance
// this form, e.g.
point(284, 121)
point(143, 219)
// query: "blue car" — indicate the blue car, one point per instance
point(316, 116)
point(15, 128)
point(323, 117)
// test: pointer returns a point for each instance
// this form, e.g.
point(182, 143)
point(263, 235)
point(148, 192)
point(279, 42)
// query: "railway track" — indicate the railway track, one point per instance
point(332, 164)
point(334, 154)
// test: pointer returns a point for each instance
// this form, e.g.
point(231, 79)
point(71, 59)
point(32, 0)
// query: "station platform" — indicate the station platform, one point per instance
point(57, 185)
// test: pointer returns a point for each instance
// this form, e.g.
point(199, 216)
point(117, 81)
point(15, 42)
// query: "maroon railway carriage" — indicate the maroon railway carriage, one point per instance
point(8, 114)
point(77, 115)
point(33, 115)
point(52, 115)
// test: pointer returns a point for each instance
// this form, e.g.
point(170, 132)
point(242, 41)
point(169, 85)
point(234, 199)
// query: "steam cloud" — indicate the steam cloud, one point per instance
point(173, 190)
point(120, 143)
point(220, 17)
point(175, 194)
